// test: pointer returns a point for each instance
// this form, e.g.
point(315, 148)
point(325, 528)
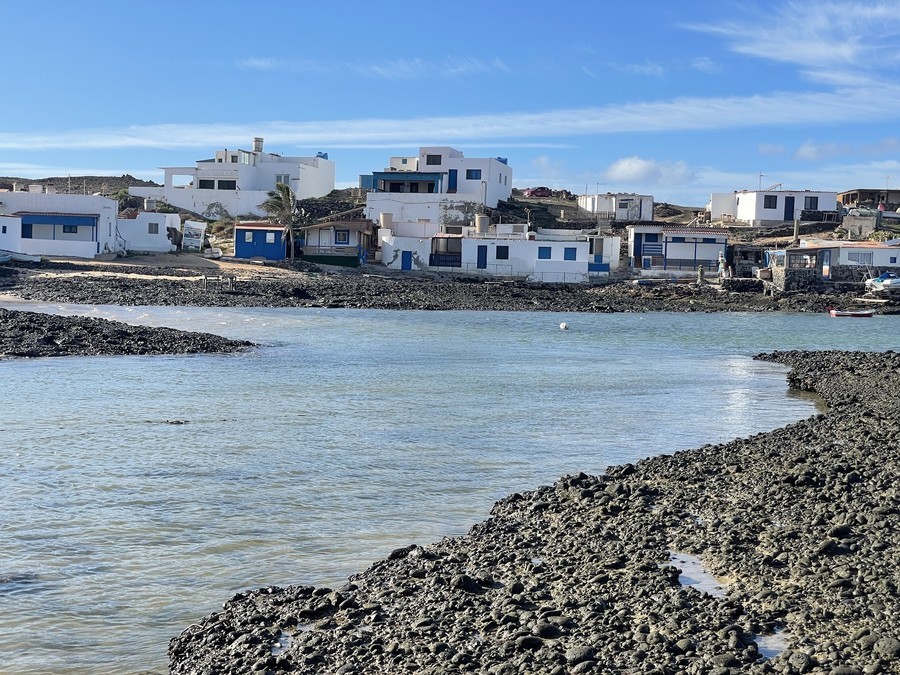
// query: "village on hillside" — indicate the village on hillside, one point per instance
point(443, 213)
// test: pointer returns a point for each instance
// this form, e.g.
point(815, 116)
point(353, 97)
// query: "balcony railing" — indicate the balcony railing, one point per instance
point(445, 260)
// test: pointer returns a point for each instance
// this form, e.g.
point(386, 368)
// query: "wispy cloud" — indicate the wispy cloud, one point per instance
point(385, 69)
point(648, 172)
point(704, 64)
point(648, 69)
point(795, 109)
point(827, 40)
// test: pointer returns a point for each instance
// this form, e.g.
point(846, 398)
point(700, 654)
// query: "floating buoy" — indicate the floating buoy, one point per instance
point(564, 326)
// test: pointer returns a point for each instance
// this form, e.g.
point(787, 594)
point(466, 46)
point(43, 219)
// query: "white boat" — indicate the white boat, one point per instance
point(212, 253)
point(20, 257)
point(853, 313)
point(5, 258)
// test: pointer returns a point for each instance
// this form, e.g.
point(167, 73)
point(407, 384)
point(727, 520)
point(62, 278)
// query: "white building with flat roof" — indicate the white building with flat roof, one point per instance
point(439, 186)
point(760, 208)
point(236, 182)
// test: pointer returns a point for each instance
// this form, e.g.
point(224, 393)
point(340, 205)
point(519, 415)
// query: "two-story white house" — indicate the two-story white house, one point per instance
point(761, 208)
point(236, 182)
point(439, 188)
point(618, 207)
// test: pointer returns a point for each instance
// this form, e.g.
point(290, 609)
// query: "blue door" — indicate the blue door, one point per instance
point(451, 181)
point(405, 260)
point(482, 257)
point(789, 208)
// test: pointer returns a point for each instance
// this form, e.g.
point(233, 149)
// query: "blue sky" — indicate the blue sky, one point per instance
point(676, 100)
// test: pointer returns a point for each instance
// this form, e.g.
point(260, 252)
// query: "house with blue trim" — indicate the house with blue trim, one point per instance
point(38, 221)
point(675, 250)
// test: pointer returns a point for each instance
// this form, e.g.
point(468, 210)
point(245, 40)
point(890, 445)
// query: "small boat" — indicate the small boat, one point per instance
point(5, 258)
point(19, 257)
point(212, 253)
point(853, 313)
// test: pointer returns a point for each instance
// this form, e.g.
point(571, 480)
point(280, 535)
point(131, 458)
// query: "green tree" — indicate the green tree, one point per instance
point(281, 205)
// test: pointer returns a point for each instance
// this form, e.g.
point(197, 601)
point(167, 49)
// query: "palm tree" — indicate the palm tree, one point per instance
point(281, 205)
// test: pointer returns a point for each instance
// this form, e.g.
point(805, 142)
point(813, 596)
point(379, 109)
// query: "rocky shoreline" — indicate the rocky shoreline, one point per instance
point(33, 334)
point(371, 289)
point(800, 525)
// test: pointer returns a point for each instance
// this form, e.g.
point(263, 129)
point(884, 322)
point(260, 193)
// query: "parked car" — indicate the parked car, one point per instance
point(537, 192)
point(883, 282)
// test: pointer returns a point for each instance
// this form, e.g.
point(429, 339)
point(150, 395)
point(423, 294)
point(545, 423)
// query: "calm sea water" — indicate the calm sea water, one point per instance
point(139, 493)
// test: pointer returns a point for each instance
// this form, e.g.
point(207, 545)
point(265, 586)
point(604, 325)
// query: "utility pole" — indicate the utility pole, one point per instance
point(760, 181)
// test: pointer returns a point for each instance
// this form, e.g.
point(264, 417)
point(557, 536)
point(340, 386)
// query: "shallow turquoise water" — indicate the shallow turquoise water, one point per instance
point(346, 434)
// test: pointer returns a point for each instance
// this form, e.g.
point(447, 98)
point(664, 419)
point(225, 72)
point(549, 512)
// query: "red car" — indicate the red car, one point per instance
point(537, 192)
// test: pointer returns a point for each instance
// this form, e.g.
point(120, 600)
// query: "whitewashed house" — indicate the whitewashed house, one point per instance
point(148, 232)
point(618, 207)
point(236, 182)
point(502, 250)
point(42, 222)
point(761, 208)
point(439, 188)
point(675, 250)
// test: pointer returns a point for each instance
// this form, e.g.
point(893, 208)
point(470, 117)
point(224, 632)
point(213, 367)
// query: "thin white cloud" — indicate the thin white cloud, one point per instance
point(395, 69)
point(647, 172)
point(816, 152)
point(647, 69)
point(704, 64)
point(794, 109)
point(827, 40)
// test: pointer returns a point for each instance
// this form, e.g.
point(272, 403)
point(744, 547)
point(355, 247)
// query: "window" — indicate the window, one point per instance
point(433, 160)
point(709, 240)
point(861, 258)
point(893, 259)
point(446, 245)
point(3, 230)
point(70, 229)
point(403, 160)
point(206, 184)
point(473, 174)
point(770, 202)
point(152, 228)
point(341, 237)
point(570, 253)
point(677, 240)
point(543, 253)
point(270, 237)
point(502, 253)
point(228, 185)
point(234, 159)
point(284, 178)
point(248, 237)
point(26, 230)
point(811, 203)
point(651, 236)
point(413, 187)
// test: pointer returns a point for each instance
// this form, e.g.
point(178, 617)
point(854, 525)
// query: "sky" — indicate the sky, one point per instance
point(677, 100)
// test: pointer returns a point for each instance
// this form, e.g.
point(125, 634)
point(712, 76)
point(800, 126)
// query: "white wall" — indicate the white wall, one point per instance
point(748, 206)
point(436, 209)
point(137, 236)
point(310, 177)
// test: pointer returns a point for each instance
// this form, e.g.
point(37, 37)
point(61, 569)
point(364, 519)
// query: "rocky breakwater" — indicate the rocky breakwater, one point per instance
point(31, 334)
point(800, 526)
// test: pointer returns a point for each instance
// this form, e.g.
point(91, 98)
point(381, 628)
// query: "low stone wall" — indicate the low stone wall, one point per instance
point(785, 279)
point(743, 285)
